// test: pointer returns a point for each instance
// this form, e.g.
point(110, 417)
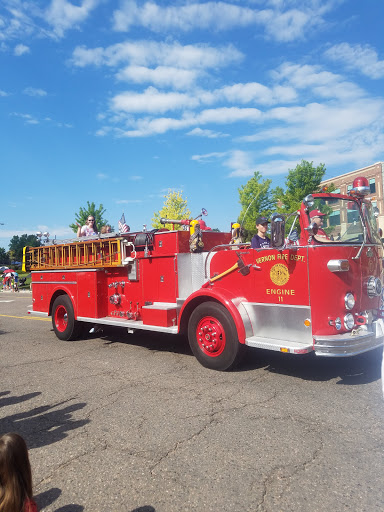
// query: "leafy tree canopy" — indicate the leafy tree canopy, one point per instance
point(17, 244)
point(256, 200)
point(82, 215)
point(4, 257)
point(175, 207)
point(303, 180)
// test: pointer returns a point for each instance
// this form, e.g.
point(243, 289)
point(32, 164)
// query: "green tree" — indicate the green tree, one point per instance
point(82, 215)
point(304, 179)
point(256, 200)
point(175, 207)
point(4, 256)
point(17, 243)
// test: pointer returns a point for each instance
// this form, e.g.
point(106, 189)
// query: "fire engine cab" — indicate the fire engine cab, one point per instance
point(316, 289)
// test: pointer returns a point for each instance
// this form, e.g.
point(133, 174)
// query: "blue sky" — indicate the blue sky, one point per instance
point(118, 101)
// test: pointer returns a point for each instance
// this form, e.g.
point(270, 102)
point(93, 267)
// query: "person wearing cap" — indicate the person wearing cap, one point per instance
point(317, 217)
point(260, 240)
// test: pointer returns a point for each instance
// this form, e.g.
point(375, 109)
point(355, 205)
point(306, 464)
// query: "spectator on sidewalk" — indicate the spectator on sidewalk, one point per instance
point(15, 475)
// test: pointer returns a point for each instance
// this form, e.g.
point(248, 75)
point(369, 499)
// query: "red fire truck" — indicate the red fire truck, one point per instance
point(318, 292)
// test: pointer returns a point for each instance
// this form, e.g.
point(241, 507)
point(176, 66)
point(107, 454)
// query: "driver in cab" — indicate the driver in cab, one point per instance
point(317, 217)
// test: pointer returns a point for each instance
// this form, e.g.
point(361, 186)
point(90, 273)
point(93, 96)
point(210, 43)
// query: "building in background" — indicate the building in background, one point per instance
point(375, 176)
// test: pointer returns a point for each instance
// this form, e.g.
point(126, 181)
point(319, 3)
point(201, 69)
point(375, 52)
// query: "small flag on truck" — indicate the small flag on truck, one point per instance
point(123, 228)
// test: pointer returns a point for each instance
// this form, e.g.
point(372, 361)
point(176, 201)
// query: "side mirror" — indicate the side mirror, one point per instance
point(376, 211)
point(277, 231)
point(312, 229)
point(309, 201)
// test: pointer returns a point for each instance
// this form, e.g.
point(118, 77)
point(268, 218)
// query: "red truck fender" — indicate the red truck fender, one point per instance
point(216, 294)
point(62, 290)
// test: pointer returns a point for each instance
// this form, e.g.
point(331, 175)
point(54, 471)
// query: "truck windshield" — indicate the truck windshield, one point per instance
point(339, 220)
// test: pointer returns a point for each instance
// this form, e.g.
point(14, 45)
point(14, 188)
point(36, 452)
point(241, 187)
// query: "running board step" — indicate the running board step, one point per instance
point(292, 347)
point(131, 325)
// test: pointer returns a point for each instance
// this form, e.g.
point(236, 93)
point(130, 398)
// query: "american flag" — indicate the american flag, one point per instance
point(123, 228)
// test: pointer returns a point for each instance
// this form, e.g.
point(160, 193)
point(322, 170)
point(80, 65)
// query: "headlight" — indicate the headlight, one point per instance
point(338, 323)
point(349, 301)
point(349, 321)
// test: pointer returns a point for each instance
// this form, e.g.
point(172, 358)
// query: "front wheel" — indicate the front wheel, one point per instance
point(213, 337)
point(63, 319)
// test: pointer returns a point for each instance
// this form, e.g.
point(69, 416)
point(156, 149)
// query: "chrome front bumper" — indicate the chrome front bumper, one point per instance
point(352, 343)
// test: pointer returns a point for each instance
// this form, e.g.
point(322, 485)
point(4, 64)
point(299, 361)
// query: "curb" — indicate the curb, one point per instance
point(11, 292)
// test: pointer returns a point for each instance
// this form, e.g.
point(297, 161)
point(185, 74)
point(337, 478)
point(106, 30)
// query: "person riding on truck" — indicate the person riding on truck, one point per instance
point(261, 240)
point(317, 217)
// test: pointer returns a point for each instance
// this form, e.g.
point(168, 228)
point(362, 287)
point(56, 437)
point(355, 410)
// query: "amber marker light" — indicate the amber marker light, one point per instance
point(283, 349)
point(307, 322)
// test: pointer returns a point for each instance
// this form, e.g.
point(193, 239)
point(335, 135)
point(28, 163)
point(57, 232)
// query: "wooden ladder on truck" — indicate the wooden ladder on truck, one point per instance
point(103, 252)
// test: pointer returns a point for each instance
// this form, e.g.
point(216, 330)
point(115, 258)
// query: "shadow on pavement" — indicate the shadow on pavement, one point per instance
point(43, 425)
point(44, 499)
point(70, 508)
point(362, 369)
point(16, 399)
point(355, 370)
point(145, 508)
point(173, 343)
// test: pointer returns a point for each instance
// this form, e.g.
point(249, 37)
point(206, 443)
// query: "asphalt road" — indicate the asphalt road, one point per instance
point(121, 422)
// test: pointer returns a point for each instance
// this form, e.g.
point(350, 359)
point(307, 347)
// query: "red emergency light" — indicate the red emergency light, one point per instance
point(360, 187)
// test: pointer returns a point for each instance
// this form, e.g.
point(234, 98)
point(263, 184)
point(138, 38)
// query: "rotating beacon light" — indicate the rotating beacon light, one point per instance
point(360, 187)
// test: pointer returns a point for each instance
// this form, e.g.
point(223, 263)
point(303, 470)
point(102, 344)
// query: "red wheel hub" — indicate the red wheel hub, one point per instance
point(61, 318)
point(210, 335)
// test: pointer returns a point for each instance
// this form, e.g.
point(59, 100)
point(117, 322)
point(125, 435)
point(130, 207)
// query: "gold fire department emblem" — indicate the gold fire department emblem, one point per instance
point(279, 274)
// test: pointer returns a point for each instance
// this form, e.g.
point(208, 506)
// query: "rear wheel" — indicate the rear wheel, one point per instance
point(63, 319)
point(213, 337)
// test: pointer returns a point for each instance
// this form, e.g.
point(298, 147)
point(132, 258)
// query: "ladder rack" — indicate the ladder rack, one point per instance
point(98, 253)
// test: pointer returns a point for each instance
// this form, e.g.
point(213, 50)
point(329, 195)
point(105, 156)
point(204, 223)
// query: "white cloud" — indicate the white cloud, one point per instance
point(161, 76)
point(16, 20)
point(209, 134)
point(245, 163)
point(318, 122)
point(153, 53)
point(225, 115)
point(21, 49)
point(358, 57)
point(209, 157)
point(3, 94)
point(305, 112)
point(63, 15)
point(28, 119)
point(279, 22)
point(316, 81)
point(32, 91)
point(254, 92)
point(101, 176)
point(217, 15)
point(152, 101)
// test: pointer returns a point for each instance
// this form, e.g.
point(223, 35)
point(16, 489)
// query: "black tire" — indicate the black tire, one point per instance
point(213, 337)
point(63, 319)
